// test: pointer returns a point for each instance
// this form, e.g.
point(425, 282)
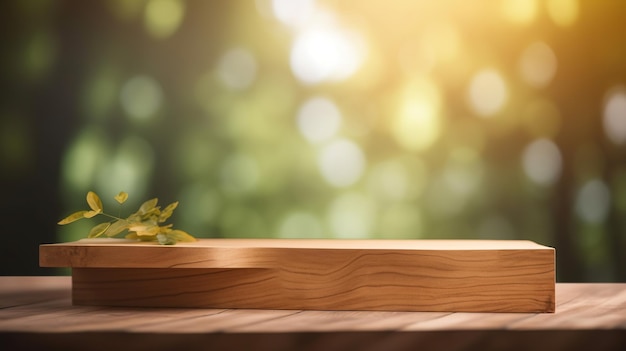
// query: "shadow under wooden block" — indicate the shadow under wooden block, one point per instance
point(383, 275)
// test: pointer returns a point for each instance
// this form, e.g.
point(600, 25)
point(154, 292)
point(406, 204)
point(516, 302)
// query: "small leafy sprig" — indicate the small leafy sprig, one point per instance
point(143, 225)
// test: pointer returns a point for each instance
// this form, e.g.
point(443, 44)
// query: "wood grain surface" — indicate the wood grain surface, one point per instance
point(376, 275)
point(37, 313)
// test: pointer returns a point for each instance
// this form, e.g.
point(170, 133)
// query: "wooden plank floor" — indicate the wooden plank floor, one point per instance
point(36, 312)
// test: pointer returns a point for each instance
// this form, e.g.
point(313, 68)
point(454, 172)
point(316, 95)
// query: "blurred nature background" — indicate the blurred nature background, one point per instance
point(395, 119)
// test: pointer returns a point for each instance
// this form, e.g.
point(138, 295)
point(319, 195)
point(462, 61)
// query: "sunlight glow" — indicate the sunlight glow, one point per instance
point(318, 119)
point(352, 216)
point(326, 54)
point(519, 11)
point(416, 124)
point(487, 92)
point(563, 12)
point(538, 64)
point(84, 156)
point(129, 168)
point(614, 119)
point(390, 180)
point(342, 163)
point(141, 97)
point(542, 162)
point(443, 39)
point(293, 12)
point(237, 69)
point(163, 17)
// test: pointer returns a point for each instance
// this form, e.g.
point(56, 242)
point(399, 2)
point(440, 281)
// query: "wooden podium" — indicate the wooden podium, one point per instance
point(374, 275)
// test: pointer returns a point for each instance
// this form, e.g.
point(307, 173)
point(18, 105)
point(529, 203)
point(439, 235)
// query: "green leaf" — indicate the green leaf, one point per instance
point(165, 228)
point(90, 214)
point(165, 239)
point(132, 236)
point(147, 206)
point(167, 212)
point(72, 218)
point(142, 225)
point(98, 230)
point(180, 235)
point(116, 228)
point(94, 201)
point(121, 197)
point(152, 214)
point(144, 229)
point(134, 218)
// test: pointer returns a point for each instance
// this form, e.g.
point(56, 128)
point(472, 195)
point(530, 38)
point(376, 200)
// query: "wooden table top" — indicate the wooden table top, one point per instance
point(36, 312)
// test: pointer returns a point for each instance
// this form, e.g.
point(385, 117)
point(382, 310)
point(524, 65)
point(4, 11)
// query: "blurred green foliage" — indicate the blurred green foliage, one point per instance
point(335, 118)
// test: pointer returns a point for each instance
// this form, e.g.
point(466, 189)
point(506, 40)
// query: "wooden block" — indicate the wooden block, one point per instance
point(377, 275)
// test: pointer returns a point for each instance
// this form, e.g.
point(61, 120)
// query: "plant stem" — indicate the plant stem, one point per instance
point(111, 216)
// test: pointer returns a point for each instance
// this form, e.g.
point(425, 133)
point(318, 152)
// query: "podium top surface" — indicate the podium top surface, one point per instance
point(331, 244)
point(269, 253)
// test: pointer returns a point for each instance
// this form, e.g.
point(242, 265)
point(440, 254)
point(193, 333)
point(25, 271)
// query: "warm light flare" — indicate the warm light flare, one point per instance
point(322, 54)
point(318, 119)
point(342, 163)
point(416, 124)
point(538, 64)
point(500, 119)
point(487, 92)
point(563, 12)
point(163, 17)
point(519, 11)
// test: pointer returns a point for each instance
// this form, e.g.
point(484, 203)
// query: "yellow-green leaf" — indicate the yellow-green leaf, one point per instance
point(153, 214)
point(148, 206)
point(89, 214)
point(180, 235)
point(144, 230)
point(121, 197)
point(116, 228)
point(98, 230)
point(132, 236)
point(167, 212)
point(73, 217)
point(142, 225)
point(165, 228)
point(94, 201)
point(165, 239)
